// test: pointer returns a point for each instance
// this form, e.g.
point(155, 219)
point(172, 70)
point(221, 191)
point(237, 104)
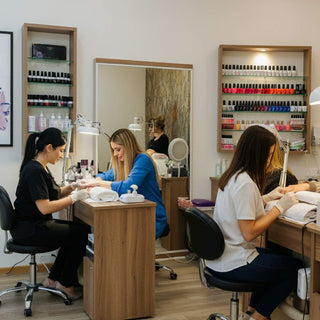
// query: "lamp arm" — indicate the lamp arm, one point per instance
point(66, 154)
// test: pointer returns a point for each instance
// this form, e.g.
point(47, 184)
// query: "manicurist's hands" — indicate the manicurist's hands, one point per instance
point(273, 195)
point(79, 195)
point(79, 184)
point(286, 202)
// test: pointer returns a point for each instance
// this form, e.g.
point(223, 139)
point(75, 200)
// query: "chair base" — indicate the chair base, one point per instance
point(173, 275)
point(31, 289)
point(215, 316)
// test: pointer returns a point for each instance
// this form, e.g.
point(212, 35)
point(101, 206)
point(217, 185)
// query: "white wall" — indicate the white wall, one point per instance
point(181, 31)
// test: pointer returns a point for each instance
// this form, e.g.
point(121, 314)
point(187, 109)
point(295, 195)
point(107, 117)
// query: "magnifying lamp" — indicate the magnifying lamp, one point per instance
point(83, 126)
point(314, 98)
point(178, 151)
point(137, 124)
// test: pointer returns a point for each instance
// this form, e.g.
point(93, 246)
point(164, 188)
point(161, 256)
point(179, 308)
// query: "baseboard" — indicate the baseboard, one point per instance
point(24, 269)
point(171, 254)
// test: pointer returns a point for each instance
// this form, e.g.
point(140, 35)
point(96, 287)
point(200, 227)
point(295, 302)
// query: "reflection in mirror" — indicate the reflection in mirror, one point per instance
point(128, 89)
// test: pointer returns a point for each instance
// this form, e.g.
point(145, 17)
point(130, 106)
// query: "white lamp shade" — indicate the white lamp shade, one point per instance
point(136, 125)
point(88, 130)
point(315, 97)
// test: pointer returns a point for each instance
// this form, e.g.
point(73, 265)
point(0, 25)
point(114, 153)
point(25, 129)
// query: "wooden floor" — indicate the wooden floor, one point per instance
point(181, 299)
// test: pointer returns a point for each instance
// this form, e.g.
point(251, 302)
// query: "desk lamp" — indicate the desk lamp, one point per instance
point(137, 124)
point(83, 126)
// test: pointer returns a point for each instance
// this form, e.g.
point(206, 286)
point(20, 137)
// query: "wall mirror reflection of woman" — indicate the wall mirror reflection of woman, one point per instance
point(160, 141)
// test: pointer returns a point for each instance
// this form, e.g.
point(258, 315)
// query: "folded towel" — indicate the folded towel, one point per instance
point(100, 194)
point(301, 212)
point(308, 197)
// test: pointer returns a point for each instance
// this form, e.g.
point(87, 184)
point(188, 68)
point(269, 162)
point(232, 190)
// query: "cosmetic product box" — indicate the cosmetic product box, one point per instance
point(49, 51)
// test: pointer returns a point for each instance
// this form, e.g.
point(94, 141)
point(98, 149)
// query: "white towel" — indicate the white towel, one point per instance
point(301, 212)
point(100, 194)
point(309, 197)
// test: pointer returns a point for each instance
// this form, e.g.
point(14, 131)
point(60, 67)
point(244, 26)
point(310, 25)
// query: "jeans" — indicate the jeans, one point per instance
point(277, 271)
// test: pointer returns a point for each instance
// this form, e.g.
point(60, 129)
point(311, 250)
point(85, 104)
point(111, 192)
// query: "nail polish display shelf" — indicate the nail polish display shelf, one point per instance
point(52, 78)
point(298, 57)
point(41, 60)
point(265, 77)
point(288, 131)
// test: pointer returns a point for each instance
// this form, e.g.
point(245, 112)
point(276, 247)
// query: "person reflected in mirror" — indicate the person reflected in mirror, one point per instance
point(132, 166)
point(274, 171)
point(38, 196)
point(239, 212)
point(160, 141)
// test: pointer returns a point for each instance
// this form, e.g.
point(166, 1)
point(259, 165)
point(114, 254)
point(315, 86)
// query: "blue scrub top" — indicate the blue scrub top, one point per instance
point(143, 175)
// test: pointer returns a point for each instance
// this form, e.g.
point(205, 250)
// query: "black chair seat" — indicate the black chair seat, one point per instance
point(228, 285)
point(14, 247)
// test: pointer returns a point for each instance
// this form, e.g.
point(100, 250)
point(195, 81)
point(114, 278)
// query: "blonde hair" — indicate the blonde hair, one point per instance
point(277, 159)
point(125, 138)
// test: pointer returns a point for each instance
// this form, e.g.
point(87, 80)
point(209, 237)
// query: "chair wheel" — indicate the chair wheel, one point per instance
point(173, 276)
point(67, 302)
point(27, 312)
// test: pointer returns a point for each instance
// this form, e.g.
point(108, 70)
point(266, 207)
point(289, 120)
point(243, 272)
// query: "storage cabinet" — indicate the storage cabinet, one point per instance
point(49, 78)
point(264, 85)
point(171, 189)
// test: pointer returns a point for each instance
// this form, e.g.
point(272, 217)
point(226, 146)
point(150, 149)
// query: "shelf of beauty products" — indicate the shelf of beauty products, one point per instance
point(49, 78)
point(264, 85)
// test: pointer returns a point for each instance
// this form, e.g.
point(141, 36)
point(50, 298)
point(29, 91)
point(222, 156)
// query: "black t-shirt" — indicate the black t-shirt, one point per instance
point(160, 145)
point(35, 183)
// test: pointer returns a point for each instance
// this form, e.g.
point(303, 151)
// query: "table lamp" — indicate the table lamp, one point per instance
point(83, 126)
point(137, 124)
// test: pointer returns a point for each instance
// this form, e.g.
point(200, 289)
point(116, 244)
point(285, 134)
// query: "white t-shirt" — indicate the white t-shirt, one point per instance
point(240, 200)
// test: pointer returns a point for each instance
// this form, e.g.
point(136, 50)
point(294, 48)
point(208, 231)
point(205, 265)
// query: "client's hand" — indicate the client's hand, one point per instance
point(297, 187)
point(286, 202)
point(98, 183)
point(273, 195)
point(79, 195)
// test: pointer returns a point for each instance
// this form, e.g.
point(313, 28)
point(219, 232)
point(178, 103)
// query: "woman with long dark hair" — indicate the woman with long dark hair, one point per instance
point(239, 212)
point(37, 197)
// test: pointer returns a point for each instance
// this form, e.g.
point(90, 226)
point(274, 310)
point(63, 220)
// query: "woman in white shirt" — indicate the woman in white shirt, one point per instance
point(239, 212)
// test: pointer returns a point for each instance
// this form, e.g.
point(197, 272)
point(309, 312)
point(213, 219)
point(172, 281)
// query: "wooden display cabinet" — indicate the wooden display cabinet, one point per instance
point(255, 86)
point(49, 85)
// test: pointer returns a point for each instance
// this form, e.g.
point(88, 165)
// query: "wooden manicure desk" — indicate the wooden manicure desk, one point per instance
point(120, 283)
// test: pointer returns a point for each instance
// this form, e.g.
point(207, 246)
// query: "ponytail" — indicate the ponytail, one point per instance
point(37, 142)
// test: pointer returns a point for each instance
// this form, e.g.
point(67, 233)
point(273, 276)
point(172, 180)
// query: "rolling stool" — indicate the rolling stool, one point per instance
point(158, 266)
point(203, 231)
point(6, 222)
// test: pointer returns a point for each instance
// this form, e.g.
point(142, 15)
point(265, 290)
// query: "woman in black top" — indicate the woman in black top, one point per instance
point(38, 196)
point(160, 141)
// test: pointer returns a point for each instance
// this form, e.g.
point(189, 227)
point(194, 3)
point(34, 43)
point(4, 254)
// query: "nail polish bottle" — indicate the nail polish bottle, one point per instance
point(289, 71)
point(294, 71)
point(285, 72)
point(281, 71)
point(223, 70)
point(269, 71)
point(277, 71)
point(273, 71)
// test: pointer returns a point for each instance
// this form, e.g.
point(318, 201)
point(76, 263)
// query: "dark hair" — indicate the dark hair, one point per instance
point(251, 156)
point(158, 122)
point(36, 143)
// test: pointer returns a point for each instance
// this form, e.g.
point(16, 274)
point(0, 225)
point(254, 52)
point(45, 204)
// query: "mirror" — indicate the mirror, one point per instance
point(125, 89)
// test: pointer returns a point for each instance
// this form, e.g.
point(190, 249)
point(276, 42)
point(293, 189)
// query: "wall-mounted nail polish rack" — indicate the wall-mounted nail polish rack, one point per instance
point(264, 85)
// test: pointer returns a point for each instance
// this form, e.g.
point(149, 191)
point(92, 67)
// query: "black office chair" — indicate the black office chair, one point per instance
point(207, 242)
point(6, 222)
point(159, 266)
